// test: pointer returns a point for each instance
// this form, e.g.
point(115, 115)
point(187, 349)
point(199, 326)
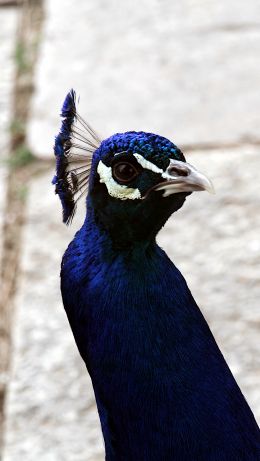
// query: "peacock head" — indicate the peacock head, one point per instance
point(136, 179)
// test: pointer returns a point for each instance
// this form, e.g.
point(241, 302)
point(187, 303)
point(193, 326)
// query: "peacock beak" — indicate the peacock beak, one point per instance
point(183, 177)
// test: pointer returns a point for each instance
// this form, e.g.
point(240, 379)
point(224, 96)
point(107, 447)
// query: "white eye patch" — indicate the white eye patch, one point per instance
point(114, 189)
point(121, 191)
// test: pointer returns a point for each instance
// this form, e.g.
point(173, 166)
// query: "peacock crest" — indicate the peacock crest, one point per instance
point(74, 147)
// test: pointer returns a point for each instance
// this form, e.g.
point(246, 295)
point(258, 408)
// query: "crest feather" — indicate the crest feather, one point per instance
point(74, 147)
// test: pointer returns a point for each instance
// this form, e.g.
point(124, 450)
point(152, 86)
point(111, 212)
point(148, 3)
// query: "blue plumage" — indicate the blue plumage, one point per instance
point(163, 389)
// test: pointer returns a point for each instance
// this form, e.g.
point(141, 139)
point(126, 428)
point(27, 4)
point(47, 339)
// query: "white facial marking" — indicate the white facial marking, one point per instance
point(114, 189)
point(148, 165)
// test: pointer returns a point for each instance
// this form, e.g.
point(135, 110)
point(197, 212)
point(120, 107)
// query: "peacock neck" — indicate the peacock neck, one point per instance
point(113, 243)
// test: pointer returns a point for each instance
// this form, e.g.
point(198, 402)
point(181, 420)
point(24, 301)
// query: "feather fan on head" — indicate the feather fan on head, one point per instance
point(74, 146)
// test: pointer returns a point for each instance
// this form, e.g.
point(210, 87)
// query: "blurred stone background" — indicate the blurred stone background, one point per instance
point(188, 70)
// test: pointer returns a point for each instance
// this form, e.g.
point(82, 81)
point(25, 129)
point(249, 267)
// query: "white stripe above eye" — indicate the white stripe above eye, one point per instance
point(147, 165)
point(114, 189)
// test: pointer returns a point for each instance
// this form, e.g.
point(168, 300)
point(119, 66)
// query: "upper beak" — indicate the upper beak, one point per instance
point(183, 177)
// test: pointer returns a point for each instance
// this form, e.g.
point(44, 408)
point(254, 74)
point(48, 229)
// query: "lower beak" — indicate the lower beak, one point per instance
point(183, 177)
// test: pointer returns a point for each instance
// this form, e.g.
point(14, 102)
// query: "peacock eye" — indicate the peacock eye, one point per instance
point(124, 172)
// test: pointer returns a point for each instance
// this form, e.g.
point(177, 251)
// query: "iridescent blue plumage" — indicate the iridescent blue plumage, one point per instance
point(64, 137)
point(70, 177)
point(163, 389)
point(151, 146)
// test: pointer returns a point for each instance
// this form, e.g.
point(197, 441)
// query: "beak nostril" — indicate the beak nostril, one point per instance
point(176, 171)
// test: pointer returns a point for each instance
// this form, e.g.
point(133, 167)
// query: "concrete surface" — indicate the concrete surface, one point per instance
point(51, 414)
point(8, 21)
point(214, 240)
point(187, 70)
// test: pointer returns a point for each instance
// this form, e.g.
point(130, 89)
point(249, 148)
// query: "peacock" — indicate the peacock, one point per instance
point(163, 389)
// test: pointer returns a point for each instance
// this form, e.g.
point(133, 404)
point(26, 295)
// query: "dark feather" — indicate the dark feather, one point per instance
point(74, 146)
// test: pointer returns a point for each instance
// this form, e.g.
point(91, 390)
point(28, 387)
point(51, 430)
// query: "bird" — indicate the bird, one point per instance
point(163, 389)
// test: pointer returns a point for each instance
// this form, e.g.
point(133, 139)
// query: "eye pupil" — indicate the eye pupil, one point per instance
point(124, 172)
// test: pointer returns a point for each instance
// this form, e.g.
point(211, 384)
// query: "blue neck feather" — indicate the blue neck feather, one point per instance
point(163, 389)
